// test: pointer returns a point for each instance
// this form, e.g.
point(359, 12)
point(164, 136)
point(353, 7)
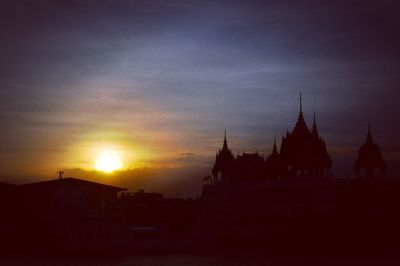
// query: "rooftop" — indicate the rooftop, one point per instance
point(71, 181)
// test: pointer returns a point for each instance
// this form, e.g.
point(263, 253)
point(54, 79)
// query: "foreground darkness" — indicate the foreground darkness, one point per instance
point(162, 80)
point(348, 217)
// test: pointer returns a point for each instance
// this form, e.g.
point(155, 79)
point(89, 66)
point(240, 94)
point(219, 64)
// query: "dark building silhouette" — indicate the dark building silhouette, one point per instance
point(148, 214)
point(75, 215)
point(9, 210)
point(369, 158)
point(224, 163)
point(273, 162)
point(250, 166)
point(288, 198)
point(302, 153)
point(67, 211)
point(69, 193)
point(142, 208)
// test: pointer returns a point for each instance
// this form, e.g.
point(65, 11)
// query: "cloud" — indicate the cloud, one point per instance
point(187, 154)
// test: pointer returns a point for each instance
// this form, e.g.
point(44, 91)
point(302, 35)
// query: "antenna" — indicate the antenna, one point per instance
point(60, 174)
point(301, 104)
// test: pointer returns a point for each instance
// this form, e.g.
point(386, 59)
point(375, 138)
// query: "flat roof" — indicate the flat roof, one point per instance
point(71, 181)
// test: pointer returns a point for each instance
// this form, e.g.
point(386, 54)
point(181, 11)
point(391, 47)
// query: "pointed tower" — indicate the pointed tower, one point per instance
point(301, 128)
point(321, 161)
point(225, 145)
point(369, 135)
point(369, 158)
point(272, 162)
point(274, 149)
point(303, 153)
point(314, 129)
point(224, 163)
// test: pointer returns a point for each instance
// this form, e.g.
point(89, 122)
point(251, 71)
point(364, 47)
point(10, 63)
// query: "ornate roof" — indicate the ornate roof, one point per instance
point(304, 149)
point(301, 128)
point(224, 160)
point(369, 154)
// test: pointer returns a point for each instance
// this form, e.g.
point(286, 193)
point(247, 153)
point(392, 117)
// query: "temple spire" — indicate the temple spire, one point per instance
point(225, 141)
point(314, 123)
point(314, 129)
point(369, 157)
point(301, 104)
point(301, 127)
point(274, 149)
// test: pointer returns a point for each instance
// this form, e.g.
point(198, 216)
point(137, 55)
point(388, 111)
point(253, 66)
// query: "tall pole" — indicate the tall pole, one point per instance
point(301, 104)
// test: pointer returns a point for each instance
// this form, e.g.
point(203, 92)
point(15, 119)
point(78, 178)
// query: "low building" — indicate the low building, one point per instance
point(69, 194)
point(51, 212)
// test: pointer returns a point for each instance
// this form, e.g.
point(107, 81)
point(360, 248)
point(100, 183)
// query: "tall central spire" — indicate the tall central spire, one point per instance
point(301, 126)
point(301, 104)
point(225, 141)
point(314, 123)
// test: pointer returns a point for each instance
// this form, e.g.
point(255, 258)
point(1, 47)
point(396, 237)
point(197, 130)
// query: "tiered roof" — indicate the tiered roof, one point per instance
point(369, 156)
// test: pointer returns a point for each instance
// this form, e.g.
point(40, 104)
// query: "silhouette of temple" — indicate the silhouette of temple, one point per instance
point(302, 153)
point(369, 158)
point(224, 163)
point(291, 195)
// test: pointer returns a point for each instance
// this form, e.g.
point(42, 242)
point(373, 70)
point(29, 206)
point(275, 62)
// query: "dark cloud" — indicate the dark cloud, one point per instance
point(187, 154)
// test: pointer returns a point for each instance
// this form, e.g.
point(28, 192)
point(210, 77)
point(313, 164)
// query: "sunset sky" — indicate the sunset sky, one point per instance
point(157, 82)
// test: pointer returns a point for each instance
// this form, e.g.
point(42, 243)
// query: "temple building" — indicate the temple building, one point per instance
point(291, 193)
point(369, 158)
point(302, 153)
point(250, 166)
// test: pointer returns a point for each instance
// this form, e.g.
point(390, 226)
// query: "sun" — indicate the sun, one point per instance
point(107, 161)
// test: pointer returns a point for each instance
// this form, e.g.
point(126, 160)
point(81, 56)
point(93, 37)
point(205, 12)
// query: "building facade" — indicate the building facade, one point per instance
point(302, 153)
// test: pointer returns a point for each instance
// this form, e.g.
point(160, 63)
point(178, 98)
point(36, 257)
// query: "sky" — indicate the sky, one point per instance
point(159, 82)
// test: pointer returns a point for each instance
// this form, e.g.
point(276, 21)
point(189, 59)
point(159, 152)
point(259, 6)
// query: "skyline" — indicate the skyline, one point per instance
point(160, 82)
